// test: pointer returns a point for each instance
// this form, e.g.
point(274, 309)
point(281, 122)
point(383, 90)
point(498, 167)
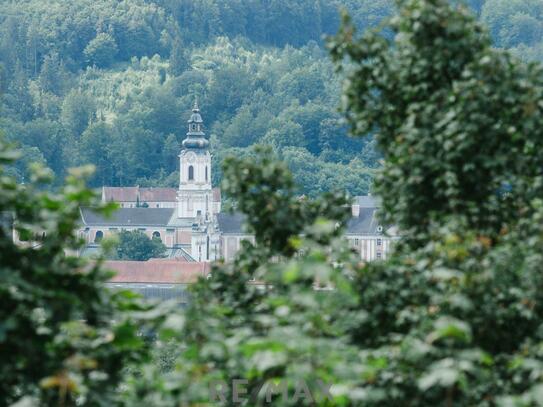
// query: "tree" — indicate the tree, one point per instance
point(78, 110)
point(95, 149)
point(64, 339)
point(286, 134)
point(457, 124)
point(179, 61)
point(454, 316)
point(423, 113)
point(135, 245)
point(20, 100)
point(53, 75)
point(514, 22)
point(101, 50)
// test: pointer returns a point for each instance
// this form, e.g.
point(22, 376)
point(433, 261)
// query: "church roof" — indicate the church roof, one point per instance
point(231, 223)
point(135, 194)
point(158, 194)
point(128, 217)
point(120, 194)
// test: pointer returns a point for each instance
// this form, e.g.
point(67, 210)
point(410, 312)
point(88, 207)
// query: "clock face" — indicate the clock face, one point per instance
point(191, 157)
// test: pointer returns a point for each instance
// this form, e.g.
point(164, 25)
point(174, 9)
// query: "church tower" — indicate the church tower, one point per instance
point(194, 197)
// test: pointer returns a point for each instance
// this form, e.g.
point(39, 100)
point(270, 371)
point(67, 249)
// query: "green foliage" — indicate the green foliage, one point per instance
point(433, 106)
point(453, 314)
point(136, 245)
point(123, 75)
point(101, 50)
point(453, 317)
point(64, 339)
point(238, 330)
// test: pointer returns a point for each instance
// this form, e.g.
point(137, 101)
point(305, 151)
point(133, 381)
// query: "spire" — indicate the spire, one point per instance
point(195, 136)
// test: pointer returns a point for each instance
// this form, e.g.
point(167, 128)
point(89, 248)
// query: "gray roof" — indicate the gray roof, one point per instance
point(129, 217)
point(176, 222)
point(231, 223)
point(367, 201)
point(365, 224)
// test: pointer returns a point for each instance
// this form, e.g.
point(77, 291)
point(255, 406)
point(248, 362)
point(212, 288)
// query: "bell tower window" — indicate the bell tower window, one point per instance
point(206, 173)
point(191, 173)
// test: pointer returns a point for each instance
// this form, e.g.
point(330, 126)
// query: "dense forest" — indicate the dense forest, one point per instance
point(111, 83)
point(452, 317)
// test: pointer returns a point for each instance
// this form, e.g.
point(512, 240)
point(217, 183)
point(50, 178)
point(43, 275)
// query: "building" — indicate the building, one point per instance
point(365, 234)
point(158, 279)
point(135, 197)
point(184, 219)
point(189, 220)
point(363, 231)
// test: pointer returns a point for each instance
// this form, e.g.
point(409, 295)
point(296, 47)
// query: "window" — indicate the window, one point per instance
point(356, 242)
point(99, 236)
point(191, 173)
point(156, 235)
point(158, 205)
point(379, 242)
point(198, 213)
point(206, 173)
point(378, 255)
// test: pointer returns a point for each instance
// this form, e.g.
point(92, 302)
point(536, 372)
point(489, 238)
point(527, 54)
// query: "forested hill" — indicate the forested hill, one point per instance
point(111, 82)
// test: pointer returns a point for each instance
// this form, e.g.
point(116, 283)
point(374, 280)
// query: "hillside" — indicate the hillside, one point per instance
point(111, 83)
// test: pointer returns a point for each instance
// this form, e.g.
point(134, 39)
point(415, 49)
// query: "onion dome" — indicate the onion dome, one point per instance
point(196, 138)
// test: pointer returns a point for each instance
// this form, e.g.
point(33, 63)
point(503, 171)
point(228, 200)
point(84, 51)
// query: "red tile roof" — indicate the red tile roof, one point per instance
point(165, 271)
point(158, 194)
point(120, 194)
point(132, 194)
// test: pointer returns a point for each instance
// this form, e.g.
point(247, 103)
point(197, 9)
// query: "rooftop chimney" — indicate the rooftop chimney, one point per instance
point(355, 210)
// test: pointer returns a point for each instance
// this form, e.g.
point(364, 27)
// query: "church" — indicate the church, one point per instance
point(189, 221)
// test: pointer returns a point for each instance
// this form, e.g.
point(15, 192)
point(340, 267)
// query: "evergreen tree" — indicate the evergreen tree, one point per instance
point(179, 60)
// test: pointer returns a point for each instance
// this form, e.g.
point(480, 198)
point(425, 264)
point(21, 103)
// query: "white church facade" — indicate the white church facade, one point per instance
point(189, 220)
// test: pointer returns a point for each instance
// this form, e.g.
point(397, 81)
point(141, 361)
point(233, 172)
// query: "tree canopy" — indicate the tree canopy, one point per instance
point(64, 337)
point(453, 317)
point(136, 245)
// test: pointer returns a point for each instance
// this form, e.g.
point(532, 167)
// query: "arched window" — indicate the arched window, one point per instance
point(191, 173)
point(99, 236)
point(206, 173)
point(156, 235)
